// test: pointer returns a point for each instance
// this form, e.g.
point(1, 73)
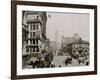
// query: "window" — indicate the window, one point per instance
point(30, 34)
point(33, 27)
point(33, 49)
point(36, 41)
point(30, 41)
point(37, 27)
point(85, 50)
point(37, 16)
point(30, 27)
point(33, 34)
point(33, 41)
point(27, 49)
point(30, 49)
point(37, 49)
point(27, 42)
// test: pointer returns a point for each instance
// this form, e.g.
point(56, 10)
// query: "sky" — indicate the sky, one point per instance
point(67, 24)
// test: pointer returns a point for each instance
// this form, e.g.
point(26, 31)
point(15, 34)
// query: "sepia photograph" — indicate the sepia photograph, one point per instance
point(54, 39)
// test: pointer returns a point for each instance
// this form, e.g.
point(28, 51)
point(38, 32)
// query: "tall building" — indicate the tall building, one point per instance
point(65, 41)
point(53, 47)
point(35, 40)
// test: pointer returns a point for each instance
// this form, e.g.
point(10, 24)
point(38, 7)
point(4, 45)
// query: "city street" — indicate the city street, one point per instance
point(60, 61)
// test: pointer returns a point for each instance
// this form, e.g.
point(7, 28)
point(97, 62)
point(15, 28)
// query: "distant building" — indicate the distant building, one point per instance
point(76, 36)
point(53, 47)
point(34, 40)
point(47, 46)
point(65, 41)
point(79, 48)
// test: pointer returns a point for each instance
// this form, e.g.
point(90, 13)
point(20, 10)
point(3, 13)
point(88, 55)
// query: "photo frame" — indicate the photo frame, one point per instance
point(56, 21)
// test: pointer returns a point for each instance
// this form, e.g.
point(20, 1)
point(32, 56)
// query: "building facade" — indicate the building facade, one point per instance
point(79, 50)
point(35, 39)
point(65, 41)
